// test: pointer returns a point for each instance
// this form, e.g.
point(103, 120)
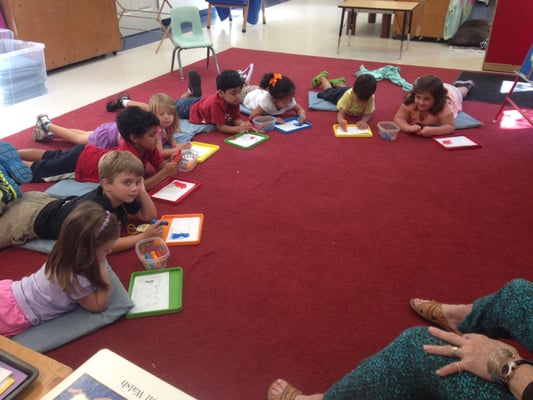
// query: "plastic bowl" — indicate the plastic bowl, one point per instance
point(388, 130)
point(188, 160)
point(152, 252)
point(264, 123)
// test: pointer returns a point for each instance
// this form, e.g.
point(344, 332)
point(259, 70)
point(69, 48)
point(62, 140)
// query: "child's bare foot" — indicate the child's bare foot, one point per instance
point(446, 316)
point(282, 390)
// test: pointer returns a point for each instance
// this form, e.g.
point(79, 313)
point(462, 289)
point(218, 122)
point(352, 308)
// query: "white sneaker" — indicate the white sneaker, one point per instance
point(246, 74)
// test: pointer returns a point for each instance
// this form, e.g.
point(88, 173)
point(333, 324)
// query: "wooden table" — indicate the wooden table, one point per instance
point(51, 372)
point(382, 7)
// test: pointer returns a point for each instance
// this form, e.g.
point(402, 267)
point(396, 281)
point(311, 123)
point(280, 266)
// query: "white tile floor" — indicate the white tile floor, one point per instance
point(307, 27)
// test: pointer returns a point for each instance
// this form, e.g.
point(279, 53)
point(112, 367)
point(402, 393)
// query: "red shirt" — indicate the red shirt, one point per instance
point(87, 165)
point(214, 110)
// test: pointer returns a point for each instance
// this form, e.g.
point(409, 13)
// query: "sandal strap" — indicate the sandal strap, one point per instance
point(431, 311)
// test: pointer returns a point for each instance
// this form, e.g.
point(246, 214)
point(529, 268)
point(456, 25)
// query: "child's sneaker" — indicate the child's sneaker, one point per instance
point(467, 84)
point(246, 73)
point(41, 133)
point(9, 190)
point(116, 103)
point(195, 84)
point(13, 165)
point(315, 82)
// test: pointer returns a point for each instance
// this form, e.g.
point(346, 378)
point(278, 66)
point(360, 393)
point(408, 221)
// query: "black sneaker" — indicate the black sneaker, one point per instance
point(116, 103)
point(195, 84)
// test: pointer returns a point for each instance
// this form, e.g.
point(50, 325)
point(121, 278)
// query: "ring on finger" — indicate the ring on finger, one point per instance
point(458, 365)
point(454, 351)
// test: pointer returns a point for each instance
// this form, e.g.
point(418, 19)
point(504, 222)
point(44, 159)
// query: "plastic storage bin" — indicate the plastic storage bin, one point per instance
point(152, 252)
point(264, 123)
point(388, 130)
point(22, 71)
point(188, 160)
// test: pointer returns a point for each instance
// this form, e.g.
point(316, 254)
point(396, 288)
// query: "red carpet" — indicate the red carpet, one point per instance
point(312, 244)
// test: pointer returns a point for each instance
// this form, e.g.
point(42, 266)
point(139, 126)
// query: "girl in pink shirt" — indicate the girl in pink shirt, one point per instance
point(75, 273)
point(431, 107)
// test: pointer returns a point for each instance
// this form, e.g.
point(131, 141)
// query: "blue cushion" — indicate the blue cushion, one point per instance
point(245, 110)
point(70, 187)
point(316, 103)
point(463, 121)
point(40, 245)
point(77, 323)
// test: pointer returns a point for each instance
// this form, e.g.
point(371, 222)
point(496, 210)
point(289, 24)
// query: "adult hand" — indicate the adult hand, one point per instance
point(469, 352)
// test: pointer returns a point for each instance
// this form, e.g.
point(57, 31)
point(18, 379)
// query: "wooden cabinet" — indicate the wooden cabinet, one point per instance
point(428, 19)
point(72, 30)
point(510, 38)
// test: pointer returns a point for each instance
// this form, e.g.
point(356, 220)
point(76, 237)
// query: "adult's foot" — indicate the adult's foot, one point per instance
point(282, 390)
point(445, 316)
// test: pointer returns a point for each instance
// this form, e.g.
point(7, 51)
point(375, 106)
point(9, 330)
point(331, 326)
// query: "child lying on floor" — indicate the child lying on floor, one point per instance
point(75, 273)
point(355, 101)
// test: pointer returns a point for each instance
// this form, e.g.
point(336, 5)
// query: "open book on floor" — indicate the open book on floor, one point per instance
point(108, 375)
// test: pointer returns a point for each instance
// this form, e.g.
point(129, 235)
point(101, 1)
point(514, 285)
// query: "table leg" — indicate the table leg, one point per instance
point(403, 32)
point(340, 30)
point(410, 26)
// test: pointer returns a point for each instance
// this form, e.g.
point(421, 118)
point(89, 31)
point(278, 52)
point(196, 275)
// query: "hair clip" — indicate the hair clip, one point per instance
point(272, 82)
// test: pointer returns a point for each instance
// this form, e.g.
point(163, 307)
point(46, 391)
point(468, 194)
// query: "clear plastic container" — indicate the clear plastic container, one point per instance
point(188, 160)
point(388, 130)
point(264, 123)
point(152, 252)
point(22, 70)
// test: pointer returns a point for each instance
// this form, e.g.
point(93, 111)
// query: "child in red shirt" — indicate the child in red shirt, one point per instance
point(137, 127)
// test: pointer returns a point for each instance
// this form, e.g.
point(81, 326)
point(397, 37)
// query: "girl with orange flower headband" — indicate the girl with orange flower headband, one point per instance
point(274, 96)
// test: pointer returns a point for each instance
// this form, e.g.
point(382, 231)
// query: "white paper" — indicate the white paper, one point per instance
point(352, 130)
point(291, 125)
point(151, 292)
point(247, 140)
point(186, 229)
point(4, 373)
point(174, 190)
point(456, 141)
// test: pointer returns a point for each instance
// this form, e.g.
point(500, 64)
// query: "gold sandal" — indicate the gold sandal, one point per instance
point(431, 311)
point(288, 393)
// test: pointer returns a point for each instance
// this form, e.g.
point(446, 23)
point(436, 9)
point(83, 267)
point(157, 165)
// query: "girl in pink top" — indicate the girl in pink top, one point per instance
point(107, 135)
point(75, 273)
point(431, 107)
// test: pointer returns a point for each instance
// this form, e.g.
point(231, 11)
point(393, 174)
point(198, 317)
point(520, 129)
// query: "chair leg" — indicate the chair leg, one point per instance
point(215, 59)
point(263, 11)
point(209, 13)
point(244, 18)
point(179, 64)
point(207, 58)
point(173, 58)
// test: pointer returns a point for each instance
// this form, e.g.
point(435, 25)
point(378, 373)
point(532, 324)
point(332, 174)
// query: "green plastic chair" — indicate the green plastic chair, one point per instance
point(182, 38)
